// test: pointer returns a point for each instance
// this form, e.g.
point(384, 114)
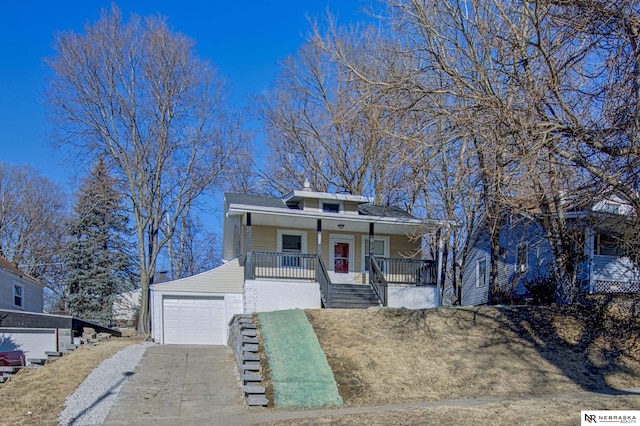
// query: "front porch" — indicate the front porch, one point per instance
point(405, 277)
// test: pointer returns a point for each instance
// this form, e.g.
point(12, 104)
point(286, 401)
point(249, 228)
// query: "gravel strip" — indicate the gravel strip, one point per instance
point(91, 402)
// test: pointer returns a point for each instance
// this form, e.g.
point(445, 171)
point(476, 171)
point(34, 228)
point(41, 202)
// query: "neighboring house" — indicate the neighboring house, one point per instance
point(304, 250)
point(526, 254)
point(126, 307)
point(18, 290)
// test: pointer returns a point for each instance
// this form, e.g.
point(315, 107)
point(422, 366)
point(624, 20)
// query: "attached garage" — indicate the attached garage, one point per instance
point(197, 310)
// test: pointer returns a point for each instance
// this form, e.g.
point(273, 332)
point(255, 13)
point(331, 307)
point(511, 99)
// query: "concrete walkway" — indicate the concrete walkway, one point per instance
point(180, 385)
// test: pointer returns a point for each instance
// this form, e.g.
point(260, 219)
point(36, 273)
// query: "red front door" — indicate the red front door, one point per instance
point(341, 258)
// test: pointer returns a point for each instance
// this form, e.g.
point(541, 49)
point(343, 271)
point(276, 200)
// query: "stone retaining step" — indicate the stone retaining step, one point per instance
point(251, 366)
point(247, 339)
point(9, 370)
point(248, 356)
point(251, 332)
point(249, 347)
point(247, 326)
point(257, 400)
point(251, 378)
point(253, 389)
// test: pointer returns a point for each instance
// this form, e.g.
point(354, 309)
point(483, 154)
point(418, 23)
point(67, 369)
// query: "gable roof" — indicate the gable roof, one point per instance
point(383, 211)
point(254, 200)
point(12, 268)
point(364, 208)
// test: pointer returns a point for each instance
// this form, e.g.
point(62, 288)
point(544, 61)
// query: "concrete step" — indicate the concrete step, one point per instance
point(9, 370)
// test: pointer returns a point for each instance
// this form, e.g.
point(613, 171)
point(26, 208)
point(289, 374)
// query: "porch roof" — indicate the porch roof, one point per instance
point(273, 211)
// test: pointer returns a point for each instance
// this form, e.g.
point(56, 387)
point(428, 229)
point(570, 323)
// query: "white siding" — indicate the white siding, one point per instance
point(34, 342)
point(411, 297)
point(267, 296)
point(227, 278)
point(32, 295)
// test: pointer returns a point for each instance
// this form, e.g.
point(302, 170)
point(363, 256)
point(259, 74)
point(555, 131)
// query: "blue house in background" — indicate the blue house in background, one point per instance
point(525, 253)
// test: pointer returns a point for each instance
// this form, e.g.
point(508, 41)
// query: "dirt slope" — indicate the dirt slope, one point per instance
point(385, 356)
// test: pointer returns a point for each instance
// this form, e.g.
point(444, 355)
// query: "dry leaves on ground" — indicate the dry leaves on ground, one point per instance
point(37, 395)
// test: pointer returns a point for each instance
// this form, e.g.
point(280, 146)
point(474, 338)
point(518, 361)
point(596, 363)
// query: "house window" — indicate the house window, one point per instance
point(18, 296)
point(331, 207)
point(613, 208)
point(608, 245)
point(481, 273)
point(522, 258)
point(291, 242)
point(380, 249)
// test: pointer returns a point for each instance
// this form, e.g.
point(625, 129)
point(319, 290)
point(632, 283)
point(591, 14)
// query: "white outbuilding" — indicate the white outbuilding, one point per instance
point(196, 310)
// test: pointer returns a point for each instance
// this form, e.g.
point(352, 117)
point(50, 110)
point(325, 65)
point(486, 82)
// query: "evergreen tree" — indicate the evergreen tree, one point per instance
point(97, 259)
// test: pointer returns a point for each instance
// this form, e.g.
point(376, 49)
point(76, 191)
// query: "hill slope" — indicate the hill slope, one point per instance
point(388, 355)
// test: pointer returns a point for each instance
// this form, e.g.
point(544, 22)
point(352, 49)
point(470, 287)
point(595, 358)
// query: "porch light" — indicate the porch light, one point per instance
point(340, 225)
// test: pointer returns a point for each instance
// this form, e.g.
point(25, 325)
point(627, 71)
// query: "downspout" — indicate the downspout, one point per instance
point(319, 231)
point(371, 239)
point(439, 273)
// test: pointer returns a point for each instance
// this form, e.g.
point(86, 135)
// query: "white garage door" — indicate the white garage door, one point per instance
point(194, 320)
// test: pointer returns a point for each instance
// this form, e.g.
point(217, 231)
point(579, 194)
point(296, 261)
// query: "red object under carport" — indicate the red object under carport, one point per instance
point(12, 359)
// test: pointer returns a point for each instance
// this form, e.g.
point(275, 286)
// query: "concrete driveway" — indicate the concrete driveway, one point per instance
point(181, 385)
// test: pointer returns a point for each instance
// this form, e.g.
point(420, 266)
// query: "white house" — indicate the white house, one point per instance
point(19, 290)
point(304, 250)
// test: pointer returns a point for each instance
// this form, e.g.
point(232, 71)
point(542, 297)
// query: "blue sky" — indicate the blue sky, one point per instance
point(245, 40)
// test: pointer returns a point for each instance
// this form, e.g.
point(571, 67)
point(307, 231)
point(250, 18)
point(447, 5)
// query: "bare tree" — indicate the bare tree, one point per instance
point(135, 92)
point(192, 250)
point(326, 126)
point(33, 212)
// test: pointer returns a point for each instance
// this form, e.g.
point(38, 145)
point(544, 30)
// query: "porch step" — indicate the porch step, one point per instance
point(352, 296)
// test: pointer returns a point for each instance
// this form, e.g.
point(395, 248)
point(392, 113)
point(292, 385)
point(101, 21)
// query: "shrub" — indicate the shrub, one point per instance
point(542, 290)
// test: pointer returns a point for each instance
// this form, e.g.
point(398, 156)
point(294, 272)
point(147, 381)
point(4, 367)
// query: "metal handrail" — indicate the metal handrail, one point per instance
point(325, 282)
point(378, 282)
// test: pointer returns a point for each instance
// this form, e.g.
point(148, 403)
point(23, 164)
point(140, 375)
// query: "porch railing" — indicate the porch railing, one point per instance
point(300, 266)
point(407, 271)
point(378, 282)
point(276, 265)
